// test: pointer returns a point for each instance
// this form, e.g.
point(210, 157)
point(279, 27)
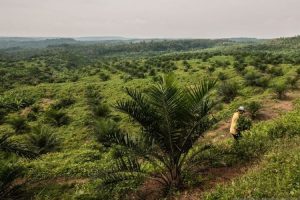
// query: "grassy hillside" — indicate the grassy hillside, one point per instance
point(59, 101)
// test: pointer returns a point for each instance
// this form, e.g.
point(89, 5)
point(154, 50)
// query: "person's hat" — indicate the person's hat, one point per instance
point(241, 108)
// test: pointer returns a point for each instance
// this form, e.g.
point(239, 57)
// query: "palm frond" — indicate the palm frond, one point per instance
point(171, 119)
point(114, 136)
point(43, 139)
point(110, 180)
point(200, 91)
point(16, 148)
point(125, 168)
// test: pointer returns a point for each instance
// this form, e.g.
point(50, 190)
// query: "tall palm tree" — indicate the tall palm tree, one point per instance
point(171, 120)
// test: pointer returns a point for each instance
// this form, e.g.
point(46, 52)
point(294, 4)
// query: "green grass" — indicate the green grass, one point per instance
point(277, 176)
point(80, 155)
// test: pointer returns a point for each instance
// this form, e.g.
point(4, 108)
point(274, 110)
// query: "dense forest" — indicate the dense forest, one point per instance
point(149, 119)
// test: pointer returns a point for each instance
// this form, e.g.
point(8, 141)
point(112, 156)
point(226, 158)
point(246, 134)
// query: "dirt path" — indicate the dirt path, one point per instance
point(271, 109)
point(57, 181)
point(220, 175)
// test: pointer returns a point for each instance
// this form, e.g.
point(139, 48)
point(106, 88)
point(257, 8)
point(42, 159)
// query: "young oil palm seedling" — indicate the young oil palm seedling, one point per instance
point(254, 108)
point(280, 89)
point(228, 91)
point(43, 139)
point(19, 124)
point(57, 118)
point(9, 146)
point(101, 110)
point(9, 172)
point(171, 120)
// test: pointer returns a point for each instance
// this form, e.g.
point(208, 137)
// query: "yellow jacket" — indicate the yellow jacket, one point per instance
point(233, 127)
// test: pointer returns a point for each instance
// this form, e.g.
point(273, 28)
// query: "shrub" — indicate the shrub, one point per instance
point(211, 69)
point(262, 67)
point(101, 110)
point(243, 124)
point(35, 108)
point(152, 72)
point(64, 103)
point(186, 64)
point(262, 82)
point(253, 108)
point(19, 124)
point(43, 139)
point(252, 77)
point(9, 174)
point(276, 71)
point(228, 90)
point(250, 146)
point(298, 71)
point(282, 129)
point(239, 67)
point(56, 118)
point(105, 128)
point(292, 81)
point(92, 95)
point(2, 115)
point(222, 76)
point(104, 77)
point(280, 89)
point(31, 116)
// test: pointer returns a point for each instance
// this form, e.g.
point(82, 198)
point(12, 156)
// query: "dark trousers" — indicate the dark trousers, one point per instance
point(237, 136)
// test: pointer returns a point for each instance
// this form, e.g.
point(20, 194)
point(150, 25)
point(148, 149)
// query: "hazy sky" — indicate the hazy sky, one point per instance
point(150, 18)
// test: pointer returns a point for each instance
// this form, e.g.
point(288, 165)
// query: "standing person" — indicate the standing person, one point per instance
point(234, 123)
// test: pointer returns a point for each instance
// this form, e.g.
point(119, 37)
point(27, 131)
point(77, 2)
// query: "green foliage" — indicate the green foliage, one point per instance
point(283, 129)
point(101, 110)
point(222, 76)
point(243, 123)
point(211, 69)
point(43, 139)
point(8, 146)
point(276, 71)
point(292, 82)
point(263, 82)
point(186, 65)
point(104, 77)
point(18, 123)
point(251, 146)
point(228, 90)
point(9, 174)
point(172, 120)
point(239, 66)
point(298, 71)
point(254, 108)
point(30, 76)
point(277, 177)
point(92, 95)
point(254, 78)
point(104, 129)
point(15, 101)
point(280, 90)
point(63, 103)
point(2, 115)
point(56, 118)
